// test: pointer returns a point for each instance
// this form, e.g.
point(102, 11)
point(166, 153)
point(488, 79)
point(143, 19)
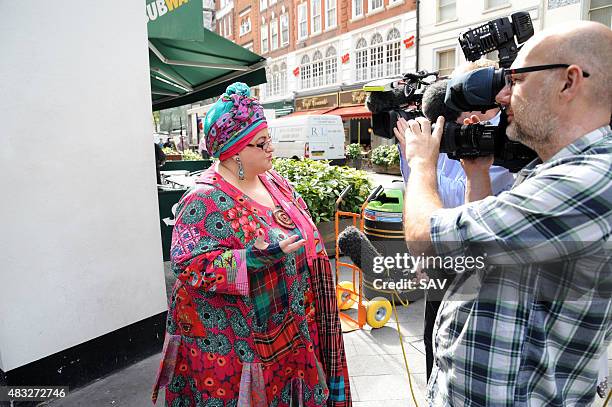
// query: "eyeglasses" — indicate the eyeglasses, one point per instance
point(264, 146)
point(513, 71)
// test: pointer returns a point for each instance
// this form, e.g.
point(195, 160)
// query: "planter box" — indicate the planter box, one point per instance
point(393, 169)
point(354, 162)
point(326, 229)
point(174, 157)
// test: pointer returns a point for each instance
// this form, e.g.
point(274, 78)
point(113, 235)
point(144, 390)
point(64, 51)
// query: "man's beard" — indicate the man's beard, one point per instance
point(531, 126)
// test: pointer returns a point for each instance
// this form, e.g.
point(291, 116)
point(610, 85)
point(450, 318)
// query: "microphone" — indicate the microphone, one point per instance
point(356, 245)
point(378, 102)
point(434, 106)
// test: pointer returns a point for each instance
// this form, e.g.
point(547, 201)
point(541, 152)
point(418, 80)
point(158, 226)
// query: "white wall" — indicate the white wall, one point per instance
point(80, 250)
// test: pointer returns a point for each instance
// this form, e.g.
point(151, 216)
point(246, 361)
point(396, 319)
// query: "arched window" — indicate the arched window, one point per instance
point(266, 89)
point(305, 72)
point(393, 53)
point(331, 66)
point(317, 69)
point(275, 81)
point(283, 78)
point(376, 56)
point(361, 60)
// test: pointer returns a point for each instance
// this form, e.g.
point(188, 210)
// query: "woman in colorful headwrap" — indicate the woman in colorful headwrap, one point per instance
point(253, 319)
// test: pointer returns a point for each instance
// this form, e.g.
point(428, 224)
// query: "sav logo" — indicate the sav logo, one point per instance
point(158, 8)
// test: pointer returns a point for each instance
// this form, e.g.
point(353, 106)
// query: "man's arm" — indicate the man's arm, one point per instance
point(478, 179)
point(421, 199)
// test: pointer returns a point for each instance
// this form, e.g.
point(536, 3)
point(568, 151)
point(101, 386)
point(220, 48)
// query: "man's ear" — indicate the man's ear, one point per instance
point(572, 82)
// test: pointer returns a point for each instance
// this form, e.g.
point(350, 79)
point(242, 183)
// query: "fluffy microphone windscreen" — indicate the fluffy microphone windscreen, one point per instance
point(354, 244)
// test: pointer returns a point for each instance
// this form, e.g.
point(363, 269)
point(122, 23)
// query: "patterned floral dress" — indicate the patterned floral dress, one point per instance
point(248, 327)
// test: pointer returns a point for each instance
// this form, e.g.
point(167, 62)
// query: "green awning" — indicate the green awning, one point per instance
point(189, 63)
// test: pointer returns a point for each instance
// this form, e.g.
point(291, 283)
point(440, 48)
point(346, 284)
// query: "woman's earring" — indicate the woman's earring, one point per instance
point(240, 168)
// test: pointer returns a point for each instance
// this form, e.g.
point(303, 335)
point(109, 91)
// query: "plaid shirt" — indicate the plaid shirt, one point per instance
point(530, 327)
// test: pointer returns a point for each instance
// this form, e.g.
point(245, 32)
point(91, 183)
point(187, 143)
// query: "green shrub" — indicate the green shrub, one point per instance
point(189, 155)
point(170, 151)
point(353, 151)
point(320, 184)
point(385, 156)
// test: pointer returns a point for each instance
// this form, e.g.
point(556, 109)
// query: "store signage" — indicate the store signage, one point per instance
point(296, 71)
point(345, 58)
point(316, 102)
point(352, 97)
point(158, 8)
point(409, 42)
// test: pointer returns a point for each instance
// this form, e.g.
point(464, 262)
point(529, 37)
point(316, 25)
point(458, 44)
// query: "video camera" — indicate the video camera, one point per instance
point(391, 99)
point(472, 91)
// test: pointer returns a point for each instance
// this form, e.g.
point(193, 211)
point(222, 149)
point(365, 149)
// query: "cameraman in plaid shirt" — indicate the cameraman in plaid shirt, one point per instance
point(530, 328)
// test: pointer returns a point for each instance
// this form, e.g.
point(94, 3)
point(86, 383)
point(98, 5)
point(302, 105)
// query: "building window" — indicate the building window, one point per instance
point(317, 69)
point(284, 21)
point(376, 57)
point(245, 26)
point(283, 78)
point(263, 4)
point(264, 38)
point(601, 11)
point(305, 72)
point(229, 25)
point(375, 5)
point(315, 15)
point(446, 62)
point(361, 60)
point(331, 66)
point(302, 21)
point(274, 34)
point(447, 10)
point(357, 8)
point(393, 51)
point(275, 81)
point(489, 4)
point(330, 13)
point(270, 2)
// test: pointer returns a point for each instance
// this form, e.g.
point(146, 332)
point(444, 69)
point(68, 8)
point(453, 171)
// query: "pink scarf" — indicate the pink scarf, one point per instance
point(280, 190)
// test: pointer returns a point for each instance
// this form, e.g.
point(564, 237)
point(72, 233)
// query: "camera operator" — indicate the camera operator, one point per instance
point(507, 334)
point(453, 187)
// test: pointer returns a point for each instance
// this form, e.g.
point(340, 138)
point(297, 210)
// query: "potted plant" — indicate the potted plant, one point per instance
point(386, 159)
point(353, 155)
point(320, 184)
point(172, 154)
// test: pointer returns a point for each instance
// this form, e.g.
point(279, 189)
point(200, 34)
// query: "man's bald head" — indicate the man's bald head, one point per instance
point(586, 44)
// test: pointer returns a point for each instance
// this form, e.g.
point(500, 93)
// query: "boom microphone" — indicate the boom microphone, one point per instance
point(356, 245)
point(433, 103)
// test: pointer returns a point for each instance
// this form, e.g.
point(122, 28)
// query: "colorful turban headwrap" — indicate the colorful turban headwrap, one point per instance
point(233, 121)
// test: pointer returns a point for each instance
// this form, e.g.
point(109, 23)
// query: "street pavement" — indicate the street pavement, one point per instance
point(378, 376)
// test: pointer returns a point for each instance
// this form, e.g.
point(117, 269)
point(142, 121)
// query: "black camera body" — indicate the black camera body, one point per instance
point(498, 34)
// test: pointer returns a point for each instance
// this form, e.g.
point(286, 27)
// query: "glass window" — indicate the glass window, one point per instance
point(393, 51)
point(315, 14)
point(245, 26)
point(446, 62)
point(330, 13)
point(601, 11)
point(264, 38)
point(302, 21)
point(317, 69)
point(331, 66)
point(283, 80)
point(263, 4)
point(375, 5)
point(361, 60)
point(376, 57)
point(284, 21)
point(305, 72)
point(357, 8)
point(447, 10)
point(274, 34)
point(495, 3)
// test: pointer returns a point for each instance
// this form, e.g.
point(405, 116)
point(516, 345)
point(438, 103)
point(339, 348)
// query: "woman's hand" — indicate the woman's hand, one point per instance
point(288, 245)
